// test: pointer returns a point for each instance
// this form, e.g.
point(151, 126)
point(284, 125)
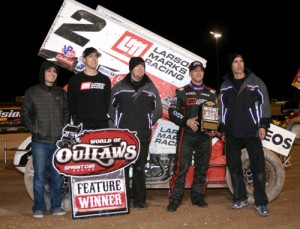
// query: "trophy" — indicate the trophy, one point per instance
point(210, 116)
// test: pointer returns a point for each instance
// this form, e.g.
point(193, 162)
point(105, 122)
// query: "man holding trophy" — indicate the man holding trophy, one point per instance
point(194, 109)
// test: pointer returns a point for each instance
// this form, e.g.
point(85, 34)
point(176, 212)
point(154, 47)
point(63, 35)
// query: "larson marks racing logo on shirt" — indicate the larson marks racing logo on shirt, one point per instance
point(91, 85)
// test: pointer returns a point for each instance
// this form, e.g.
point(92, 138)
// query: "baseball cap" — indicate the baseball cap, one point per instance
point(90, 50)
point(195, 64)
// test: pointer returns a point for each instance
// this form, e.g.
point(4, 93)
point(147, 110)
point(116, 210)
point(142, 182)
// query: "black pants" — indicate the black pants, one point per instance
point(257, 166)
point(138, 190)
point(200, 144)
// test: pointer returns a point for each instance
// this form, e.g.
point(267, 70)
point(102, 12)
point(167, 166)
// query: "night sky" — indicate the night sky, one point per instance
point(265, 36)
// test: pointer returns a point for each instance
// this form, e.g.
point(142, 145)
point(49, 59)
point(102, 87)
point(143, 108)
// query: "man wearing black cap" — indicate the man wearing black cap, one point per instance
point(136, 105)
point(245, 118)
point(89, 94)
point(185, 111)
point(45, 113)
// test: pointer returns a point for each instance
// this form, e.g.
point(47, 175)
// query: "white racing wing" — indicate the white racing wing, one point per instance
point(77, 27)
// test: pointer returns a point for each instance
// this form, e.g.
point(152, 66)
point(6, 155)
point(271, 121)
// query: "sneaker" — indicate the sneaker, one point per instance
point(143, 206)
point(140, 206)
point(262, 210)
point(135, 204)
point(172, 208)
point(200, 203)
point(58, 211)
point(38, 214)
point(240, 204)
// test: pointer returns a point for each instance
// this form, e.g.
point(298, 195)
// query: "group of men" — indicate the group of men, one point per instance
point(134, 103)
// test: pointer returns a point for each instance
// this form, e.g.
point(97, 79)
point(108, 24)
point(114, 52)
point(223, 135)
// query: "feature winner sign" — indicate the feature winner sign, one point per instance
point(95, 162)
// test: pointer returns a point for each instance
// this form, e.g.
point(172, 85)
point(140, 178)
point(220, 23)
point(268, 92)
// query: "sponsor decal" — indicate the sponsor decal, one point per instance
point(177, 114)
point(279, 140)
point(191, 93)
point(64, 59)
point(191, 101)
point(166, 102)
point(85, 86)
point(167, 63)
point(204, 94)
point(10, 119)
point(250, 88)
point(164, 139)
point(10, 114)
point(91, 85)
point(296, 81)
point(131, 45)
point(68, 51)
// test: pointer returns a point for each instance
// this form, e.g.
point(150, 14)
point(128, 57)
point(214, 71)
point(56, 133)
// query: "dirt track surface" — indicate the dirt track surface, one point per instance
point(15, 206)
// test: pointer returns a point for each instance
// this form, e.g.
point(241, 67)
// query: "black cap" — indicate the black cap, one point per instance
point(232, 56)
point(48, 64)
point(90, 50)
point(195, 64)
point(134, 61)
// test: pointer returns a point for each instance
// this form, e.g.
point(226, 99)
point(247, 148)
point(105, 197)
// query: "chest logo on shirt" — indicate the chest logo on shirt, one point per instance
point(85, 86)
point(204, 94)
point(191, 93)
point(191, 101)
point(90, 85)
point(194, 101)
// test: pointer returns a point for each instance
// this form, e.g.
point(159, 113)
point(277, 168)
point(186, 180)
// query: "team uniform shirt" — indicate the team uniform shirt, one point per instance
point(89, 98)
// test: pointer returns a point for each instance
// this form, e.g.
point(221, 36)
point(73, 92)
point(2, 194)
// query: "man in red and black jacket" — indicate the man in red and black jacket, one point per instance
point(184, 112)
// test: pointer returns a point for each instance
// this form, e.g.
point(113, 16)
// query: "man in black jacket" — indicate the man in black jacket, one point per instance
point(245, 118)
point(136, 105)
point(45, 113)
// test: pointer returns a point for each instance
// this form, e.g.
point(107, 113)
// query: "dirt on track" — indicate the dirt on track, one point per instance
point(15, 205)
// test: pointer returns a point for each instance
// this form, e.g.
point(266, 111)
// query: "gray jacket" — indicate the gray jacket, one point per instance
point(44, 112)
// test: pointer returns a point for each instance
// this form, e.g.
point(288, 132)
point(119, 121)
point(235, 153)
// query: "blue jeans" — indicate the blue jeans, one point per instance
point(42, 154)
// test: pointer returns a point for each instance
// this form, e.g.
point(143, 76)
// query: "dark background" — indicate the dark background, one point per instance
point(266, 36)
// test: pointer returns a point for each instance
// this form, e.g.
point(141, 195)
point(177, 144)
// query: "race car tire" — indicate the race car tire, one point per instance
point(294, 126)
point(275, 175)
point(28, 179)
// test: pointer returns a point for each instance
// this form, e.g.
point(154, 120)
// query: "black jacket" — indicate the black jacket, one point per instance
point(136, 108)
point(187, 103)
point(44, 112)
point(245, 110)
